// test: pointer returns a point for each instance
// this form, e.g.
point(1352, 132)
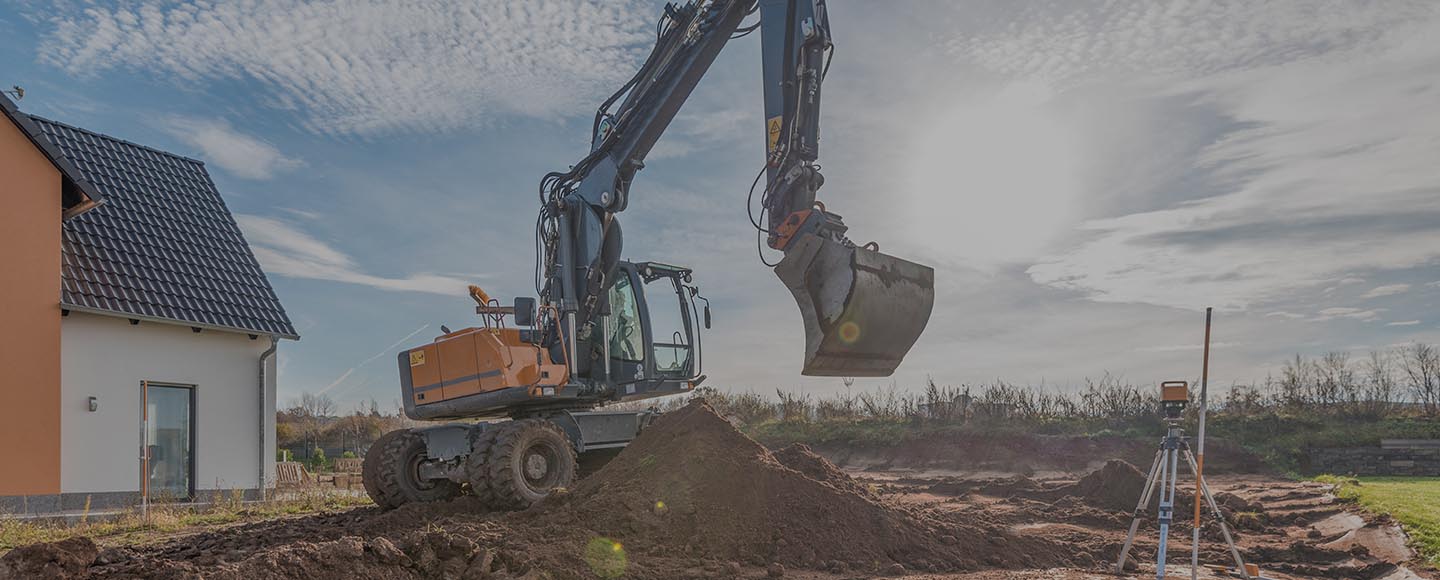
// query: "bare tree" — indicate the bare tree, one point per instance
point(317, 405)
point(1295, 380)
point(310, 411)
point(1379, 371)
point(1334, 379)
point(1420, 363)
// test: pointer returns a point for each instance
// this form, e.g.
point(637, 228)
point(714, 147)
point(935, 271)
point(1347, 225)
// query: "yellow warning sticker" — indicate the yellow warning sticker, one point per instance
point(772, 127)
point(417, 358)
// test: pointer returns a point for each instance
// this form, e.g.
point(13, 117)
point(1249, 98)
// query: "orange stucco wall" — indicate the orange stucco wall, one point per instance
point(29, 317)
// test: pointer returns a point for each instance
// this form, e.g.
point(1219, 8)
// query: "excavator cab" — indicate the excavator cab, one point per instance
point(653, 328)
point(862, 309)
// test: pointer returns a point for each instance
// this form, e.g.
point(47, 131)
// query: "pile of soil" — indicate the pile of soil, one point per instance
point(801, 458)
point(694, 485)
point(1117, 486)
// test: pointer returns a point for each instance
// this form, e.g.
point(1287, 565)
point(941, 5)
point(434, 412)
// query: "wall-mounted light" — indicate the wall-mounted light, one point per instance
point(94, 404)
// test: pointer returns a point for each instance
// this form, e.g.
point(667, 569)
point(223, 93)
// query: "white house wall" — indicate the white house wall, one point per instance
point(107, 358)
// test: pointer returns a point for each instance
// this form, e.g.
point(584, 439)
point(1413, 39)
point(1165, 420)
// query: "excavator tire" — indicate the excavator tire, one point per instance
point(391, 476)
point(477, 467)
point(530, 459)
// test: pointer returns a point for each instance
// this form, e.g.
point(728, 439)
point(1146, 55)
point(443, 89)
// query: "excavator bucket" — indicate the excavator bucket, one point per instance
point(862, 309)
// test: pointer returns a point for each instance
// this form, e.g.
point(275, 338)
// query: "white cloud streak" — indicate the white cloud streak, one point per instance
point(1346, 312)
point(1403, 323)
point(285, 250)
point(243, 155)
point(387, 350)
point(1186, 347)
point(1387, 290)
point(372, 67)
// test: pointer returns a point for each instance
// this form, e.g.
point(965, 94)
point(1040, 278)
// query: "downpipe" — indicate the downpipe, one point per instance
point(260, 466)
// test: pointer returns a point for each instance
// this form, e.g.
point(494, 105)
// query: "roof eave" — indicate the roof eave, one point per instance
point(67, 170)
point(174, 322)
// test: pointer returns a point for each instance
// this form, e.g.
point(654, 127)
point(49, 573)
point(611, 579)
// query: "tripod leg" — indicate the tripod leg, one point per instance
point(1194, 533)
point(1140, 507)
point(1167, 508)
point(1215, 509)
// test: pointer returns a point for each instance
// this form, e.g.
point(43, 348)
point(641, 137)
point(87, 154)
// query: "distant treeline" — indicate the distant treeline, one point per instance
point(1402, 382)
point(1333, 399)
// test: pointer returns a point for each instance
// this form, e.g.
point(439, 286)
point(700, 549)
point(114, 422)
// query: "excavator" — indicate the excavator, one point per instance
point(603, 330)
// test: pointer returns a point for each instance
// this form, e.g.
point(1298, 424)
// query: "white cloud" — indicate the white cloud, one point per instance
point(284, 250)
point(1186, 347)
point(1283, 314)
point(1403, 323)
point(1326, 168)
point(1347, 313)
point(1387, 290)
point(373, 67)
point(219, 143)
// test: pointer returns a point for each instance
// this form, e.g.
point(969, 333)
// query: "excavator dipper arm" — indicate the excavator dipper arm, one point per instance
point(862, 309)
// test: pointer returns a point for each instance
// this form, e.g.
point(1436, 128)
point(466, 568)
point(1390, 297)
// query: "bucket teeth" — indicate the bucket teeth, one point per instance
point(862, 309)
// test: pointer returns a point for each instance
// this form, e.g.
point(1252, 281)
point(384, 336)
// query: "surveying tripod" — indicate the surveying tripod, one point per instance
point(1164, 472)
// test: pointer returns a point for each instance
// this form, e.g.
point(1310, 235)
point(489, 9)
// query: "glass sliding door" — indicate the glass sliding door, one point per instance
point(170, 440)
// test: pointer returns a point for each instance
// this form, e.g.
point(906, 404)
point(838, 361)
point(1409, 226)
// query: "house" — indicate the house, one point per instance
point(139, 331)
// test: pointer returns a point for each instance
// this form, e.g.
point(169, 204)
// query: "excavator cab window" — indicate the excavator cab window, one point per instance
point(627, 339)
point(670, 327)
point(671, 319)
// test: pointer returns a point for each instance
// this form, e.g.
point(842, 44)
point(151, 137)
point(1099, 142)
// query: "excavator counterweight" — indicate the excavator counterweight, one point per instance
point(862, 309)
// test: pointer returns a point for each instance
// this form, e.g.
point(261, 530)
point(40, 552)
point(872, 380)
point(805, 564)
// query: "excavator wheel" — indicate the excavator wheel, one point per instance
point(391, 472)
point(477, 467)
point(529, 459)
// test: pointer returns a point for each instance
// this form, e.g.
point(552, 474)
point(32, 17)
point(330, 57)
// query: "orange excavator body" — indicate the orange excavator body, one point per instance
point(479, 360)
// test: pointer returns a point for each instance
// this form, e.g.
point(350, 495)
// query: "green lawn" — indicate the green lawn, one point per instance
point(1414, 501)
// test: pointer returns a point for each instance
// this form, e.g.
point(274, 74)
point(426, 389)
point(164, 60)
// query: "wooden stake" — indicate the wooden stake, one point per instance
point(1200, 452)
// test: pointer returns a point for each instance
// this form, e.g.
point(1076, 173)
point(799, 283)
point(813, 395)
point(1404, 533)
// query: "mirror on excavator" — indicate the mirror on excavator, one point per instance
point(862, 309)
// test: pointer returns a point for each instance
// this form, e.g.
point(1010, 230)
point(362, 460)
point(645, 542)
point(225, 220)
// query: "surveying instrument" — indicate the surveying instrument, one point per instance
point(1164, 473)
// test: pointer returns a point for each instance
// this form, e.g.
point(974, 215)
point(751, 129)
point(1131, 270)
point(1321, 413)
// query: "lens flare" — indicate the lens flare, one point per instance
point(606, 557)
point(849, 332)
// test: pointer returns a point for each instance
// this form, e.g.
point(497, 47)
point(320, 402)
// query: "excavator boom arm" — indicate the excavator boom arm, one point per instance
point(862, 310)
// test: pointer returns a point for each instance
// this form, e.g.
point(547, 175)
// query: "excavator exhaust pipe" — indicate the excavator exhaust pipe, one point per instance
point(862, 309)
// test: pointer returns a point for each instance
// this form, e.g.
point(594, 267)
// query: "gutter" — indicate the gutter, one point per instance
point(170, 321)
point(260, 466)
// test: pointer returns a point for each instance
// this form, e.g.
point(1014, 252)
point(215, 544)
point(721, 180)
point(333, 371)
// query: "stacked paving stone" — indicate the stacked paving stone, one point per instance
point(1417, 457)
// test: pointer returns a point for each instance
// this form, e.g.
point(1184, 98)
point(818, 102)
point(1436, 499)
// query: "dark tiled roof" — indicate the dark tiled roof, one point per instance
point(89, 194)
point(163, 246)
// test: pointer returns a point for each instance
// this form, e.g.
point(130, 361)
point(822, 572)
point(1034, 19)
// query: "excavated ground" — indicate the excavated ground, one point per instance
point(695, 498)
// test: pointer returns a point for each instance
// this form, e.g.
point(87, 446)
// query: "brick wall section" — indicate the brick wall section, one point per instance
point(1376, 461)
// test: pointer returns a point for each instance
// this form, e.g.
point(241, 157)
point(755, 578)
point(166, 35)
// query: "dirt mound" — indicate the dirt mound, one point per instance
point(1117, 485)
point(64, 559)
point(694, 485)
point(801, 458)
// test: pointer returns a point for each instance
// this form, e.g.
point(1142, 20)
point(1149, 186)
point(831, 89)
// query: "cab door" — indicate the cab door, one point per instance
point(671, 329)
point(625, 327)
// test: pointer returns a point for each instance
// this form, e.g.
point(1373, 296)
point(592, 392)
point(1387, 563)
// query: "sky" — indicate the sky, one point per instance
point(1084, 176)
